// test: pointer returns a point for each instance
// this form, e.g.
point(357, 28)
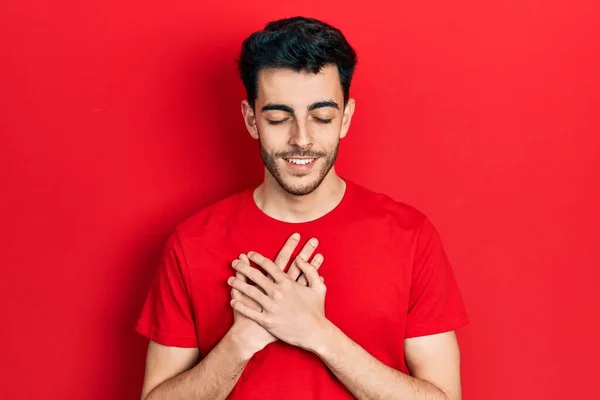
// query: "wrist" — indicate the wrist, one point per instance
point(324, 339)
point(237, 344)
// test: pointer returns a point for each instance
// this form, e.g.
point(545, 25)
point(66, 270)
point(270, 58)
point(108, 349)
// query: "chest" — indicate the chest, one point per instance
point(367, 278)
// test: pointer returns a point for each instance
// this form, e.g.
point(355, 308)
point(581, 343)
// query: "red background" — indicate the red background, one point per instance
point(118, 119)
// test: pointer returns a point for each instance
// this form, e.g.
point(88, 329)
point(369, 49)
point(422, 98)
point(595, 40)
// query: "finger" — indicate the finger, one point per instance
point(254, 275)
point(306, 252)
point(312, 276)
point(287, 250)
point(245, 259)
point(268, 266)
point(316, 262)
point(248, 312)
point(237, 295)
point(252, 292)
point(238, 274)
point(302, 280)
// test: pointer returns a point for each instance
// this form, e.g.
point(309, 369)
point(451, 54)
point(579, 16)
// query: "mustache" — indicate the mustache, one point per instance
point(303, 154)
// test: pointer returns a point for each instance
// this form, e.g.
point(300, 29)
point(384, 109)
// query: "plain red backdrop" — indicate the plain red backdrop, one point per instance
point(118, 119)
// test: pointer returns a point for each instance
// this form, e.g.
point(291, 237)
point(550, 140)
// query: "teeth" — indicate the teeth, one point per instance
point(300, 162)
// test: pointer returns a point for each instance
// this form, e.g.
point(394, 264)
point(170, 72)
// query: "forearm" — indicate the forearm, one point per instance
point(213, 378)
point(365, 376)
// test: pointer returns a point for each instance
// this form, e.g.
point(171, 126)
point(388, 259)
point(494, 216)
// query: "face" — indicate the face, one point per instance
point(299, 119)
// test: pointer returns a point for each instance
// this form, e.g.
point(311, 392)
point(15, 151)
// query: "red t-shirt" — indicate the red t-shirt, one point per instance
point(386, 273)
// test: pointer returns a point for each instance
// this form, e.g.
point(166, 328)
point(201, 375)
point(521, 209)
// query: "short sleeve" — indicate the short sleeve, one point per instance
point(435, 303)
point(167, 316)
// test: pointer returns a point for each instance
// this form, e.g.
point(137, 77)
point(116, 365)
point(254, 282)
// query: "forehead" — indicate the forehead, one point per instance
point(298, 89)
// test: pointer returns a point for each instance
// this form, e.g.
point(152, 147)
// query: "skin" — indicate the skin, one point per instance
point(289, 121)
point(310, 120)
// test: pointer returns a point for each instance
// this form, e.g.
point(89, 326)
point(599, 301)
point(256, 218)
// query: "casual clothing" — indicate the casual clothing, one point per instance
point(386, 272)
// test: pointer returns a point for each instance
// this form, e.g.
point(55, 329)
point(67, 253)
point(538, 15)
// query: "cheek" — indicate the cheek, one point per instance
point(329, 135)
point(273, 138)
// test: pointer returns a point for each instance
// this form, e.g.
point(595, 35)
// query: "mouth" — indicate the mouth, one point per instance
point(300, 166)
point(300, 161)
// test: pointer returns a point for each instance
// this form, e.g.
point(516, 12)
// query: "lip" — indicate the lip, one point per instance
point(298, 167)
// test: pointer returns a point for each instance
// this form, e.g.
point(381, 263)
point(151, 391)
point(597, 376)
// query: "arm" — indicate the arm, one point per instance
point(171, 374)
point(434, 361)
point(170, 371)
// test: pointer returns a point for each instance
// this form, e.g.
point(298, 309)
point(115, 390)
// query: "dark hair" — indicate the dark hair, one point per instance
point(298, 44)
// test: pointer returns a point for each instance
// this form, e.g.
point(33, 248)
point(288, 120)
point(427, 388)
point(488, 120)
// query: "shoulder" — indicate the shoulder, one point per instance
point(214, 219)
point(381, 205)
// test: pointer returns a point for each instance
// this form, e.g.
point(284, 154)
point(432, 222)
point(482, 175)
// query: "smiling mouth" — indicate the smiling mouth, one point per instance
point(300, 161)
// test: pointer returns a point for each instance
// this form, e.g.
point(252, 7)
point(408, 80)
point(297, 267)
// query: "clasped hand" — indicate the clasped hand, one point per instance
point(291, 311)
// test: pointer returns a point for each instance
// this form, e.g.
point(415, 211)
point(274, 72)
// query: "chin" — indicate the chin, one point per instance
point(299, 186)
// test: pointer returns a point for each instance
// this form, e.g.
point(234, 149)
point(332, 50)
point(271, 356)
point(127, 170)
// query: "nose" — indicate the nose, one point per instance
point(300, 135)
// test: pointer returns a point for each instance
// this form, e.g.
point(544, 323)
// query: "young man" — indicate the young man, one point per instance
point(244, 306)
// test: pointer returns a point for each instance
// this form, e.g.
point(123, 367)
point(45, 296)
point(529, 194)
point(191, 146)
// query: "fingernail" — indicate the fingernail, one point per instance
point(250, 254)
point(295, 236)
point(313, 242)
point(230, 280)
point(235, 262)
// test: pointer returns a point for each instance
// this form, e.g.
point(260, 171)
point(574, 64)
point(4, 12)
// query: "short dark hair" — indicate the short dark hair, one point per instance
point(299, 44)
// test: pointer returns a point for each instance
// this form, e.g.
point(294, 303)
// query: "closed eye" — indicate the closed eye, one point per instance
point(281, 121)
point(276, 122)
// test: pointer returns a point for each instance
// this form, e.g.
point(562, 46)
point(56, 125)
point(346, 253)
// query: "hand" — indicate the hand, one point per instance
point(292, 312)
point(251, 335)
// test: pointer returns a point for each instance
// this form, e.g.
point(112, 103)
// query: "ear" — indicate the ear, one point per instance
point(249, 119)
point(347, 118)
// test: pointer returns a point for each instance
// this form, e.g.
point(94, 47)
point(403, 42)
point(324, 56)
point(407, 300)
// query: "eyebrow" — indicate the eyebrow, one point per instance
point(277, 107)
point(288, 109)
point(321, 104)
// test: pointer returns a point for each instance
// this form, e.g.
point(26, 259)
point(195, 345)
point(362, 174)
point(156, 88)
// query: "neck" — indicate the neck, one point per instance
point(283, 206)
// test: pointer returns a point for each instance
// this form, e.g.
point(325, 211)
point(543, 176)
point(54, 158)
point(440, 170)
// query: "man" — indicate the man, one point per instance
point(244, 306)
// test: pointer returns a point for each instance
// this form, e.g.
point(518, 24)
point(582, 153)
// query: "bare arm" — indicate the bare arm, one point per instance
point(433, 360)
point(171, 374)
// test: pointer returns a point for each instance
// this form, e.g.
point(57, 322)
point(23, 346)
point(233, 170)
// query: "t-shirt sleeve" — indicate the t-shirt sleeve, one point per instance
point(167, 316)
point(435, 303)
